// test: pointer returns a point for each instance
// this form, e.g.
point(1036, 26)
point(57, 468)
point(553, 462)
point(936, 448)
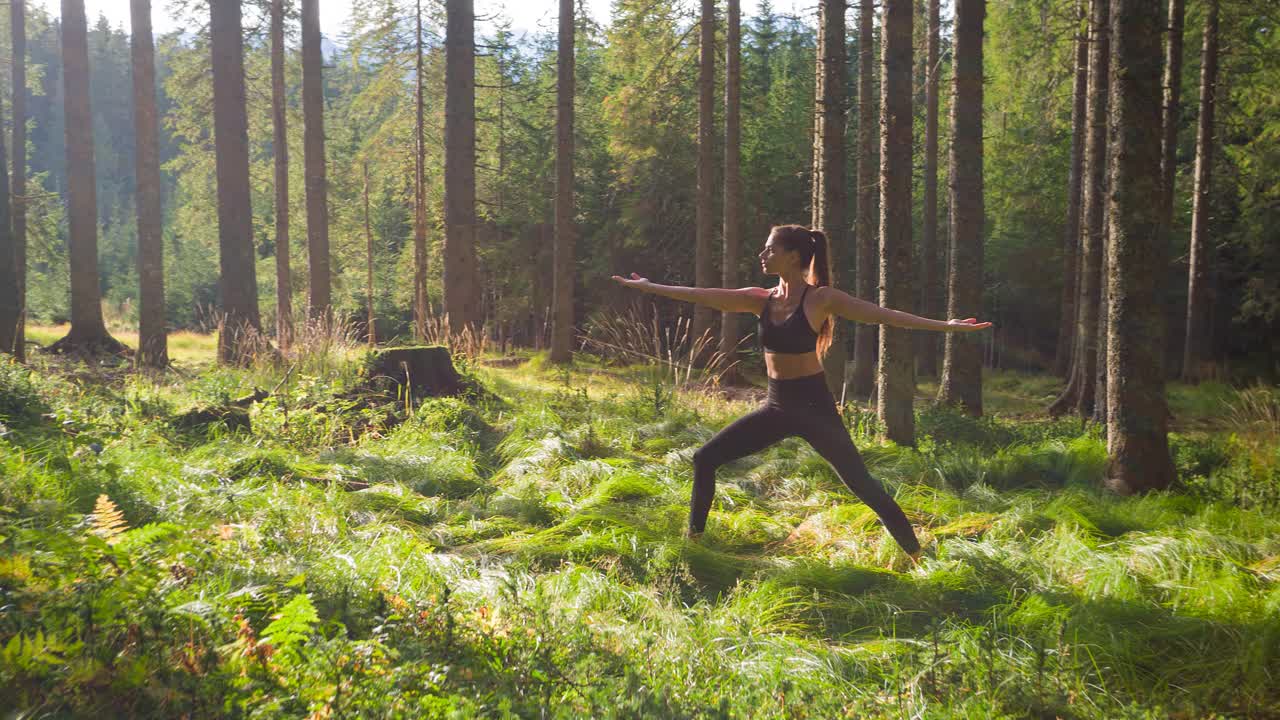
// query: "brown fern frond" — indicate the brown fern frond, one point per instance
point(108, 522)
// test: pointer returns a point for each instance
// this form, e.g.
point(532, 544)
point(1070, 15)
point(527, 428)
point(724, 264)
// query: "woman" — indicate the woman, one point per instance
point(795, 330)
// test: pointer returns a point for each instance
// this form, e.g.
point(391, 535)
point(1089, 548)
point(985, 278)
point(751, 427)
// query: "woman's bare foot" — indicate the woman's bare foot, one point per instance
point(692, 536)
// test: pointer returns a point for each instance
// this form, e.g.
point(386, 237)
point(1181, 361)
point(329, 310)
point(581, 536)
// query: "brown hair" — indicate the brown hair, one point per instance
point(812, 246)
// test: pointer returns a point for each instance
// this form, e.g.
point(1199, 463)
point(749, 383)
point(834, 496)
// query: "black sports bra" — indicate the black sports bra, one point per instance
point(794, 336)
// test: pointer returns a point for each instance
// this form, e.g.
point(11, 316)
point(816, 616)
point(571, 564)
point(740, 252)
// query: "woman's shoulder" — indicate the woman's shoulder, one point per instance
point(824, 295)
point(821, 292)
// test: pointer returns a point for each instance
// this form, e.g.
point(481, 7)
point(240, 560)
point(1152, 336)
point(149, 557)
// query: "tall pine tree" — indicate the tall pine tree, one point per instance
point(896, 382)
point(240, 334)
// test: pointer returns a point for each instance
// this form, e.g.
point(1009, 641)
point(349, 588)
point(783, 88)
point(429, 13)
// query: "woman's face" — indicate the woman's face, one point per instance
point(773, 258)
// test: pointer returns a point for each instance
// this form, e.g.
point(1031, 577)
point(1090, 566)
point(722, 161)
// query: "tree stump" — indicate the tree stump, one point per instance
point(232, 418)
point(425, 371)
point(234, 415)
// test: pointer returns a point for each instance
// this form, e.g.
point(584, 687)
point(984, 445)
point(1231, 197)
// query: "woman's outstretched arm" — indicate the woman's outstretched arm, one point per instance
point(749, 299)
point(842, 304)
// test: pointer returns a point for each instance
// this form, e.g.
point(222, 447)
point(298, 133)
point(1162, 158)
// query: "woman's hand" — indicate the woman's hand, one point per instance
point(634, 281)
point(966, 325)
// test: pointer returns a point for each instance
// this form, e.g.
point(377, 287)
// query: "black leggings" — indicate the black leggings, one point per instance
point(804, 407)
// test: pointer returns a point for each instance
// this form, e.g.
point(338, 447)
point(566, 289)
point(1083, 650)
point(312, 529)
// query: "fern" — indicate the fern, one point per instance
point(108, 522)
point(146, 535)
point(293, 624)
point(34, 652)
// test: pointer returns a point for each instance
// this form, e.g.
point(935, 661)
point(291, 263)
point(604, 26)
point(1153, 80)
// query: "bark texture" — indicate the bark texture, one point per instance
point(1172, 114)
point(153, 345)
point(866, 276)
point(562, 292)
point(1071, 233)
point(461, 294)
point(932, 296)
point(319, 305)
point(1137, 440)
point(896, 382)
point(419, 189)
point(1079, 393)
point(280, 156)
point(1195, 354)
point(88, 333)
point(703, 315)
point(9, 304)
point(18, 40)
point(371, 320)
point(240, 336)
point(829, 161)
point(730, 333)
point(961, 383)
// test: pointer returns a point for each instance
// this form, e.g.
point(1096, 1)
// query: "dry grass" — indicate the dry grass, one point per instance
point(185, 347)
point(638, 335)
point(469, 342)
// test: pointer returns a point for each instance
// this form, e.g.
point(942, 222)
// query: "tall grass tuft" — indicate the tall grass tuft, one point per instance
point(323, 346)
point(1255, 409)
point(638, 335)
point(469, 342)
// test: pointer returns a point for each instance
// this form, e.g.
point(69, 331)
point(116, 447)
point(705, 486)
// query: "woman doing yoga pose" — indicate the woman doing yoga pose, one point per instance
point(795, 330)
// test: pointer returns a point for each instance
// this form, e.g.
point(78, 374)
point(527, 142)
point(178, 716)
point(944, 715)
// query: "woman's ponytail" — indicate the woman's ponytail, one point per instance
point(820, 268)
point(820, 271)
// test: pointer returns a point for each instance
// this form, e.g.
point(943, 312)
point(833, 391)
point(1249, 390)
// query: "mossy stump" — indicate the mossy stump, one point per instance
point(425, 371)
point(234, 415)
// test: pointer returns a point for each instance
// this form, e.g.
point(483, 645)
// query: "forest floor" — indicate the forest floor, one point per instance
point(518, 552)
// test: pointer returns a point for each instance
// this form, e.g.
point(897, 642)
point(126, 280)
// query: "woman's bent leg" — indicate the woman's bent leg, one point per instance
point(828, 436)
point(745, 436)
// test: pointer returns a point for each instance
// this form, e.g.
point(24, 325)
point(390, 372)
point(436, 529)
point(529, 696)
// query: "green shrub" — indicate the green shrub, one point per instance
point(20, 400)
point(1202, 455)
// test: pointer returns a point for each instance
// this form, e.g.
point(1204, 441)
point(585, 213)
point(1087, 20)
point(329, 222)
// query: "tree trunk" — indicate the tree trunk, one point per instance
point(153, 345)
point(866, 277)
point(319, 305)
point(703, 316)
point(562, 293)
point(1195, 351)
point(1172, 114)
point(419, 191)
point(10, 308)
point(1137, 440)
point(815, 145)
point(1094, 246)
point(961, 382)
point(931, 296)
point(896, 386)
point(729, 331)
point(1071, 234)
point(1079, 394)
point(829, 213)
point(241, 332)
point(1104, 302)
point(18, 33)
point(461, 296)
point(280, 152)
point(88, 332)
point(372, 321)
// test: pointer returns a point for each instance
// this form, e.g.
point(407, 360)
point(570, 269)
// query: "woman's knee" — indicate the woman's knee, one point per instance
point(705, 457)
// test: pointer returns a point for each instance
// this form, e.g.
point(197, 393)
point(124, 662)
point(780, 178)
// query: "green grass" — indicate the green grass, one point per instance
point(519, 554)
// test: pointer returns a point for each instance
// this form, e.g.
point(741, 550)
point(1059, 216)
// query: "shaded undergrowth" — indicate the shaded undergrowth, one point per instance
point(520, 554)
